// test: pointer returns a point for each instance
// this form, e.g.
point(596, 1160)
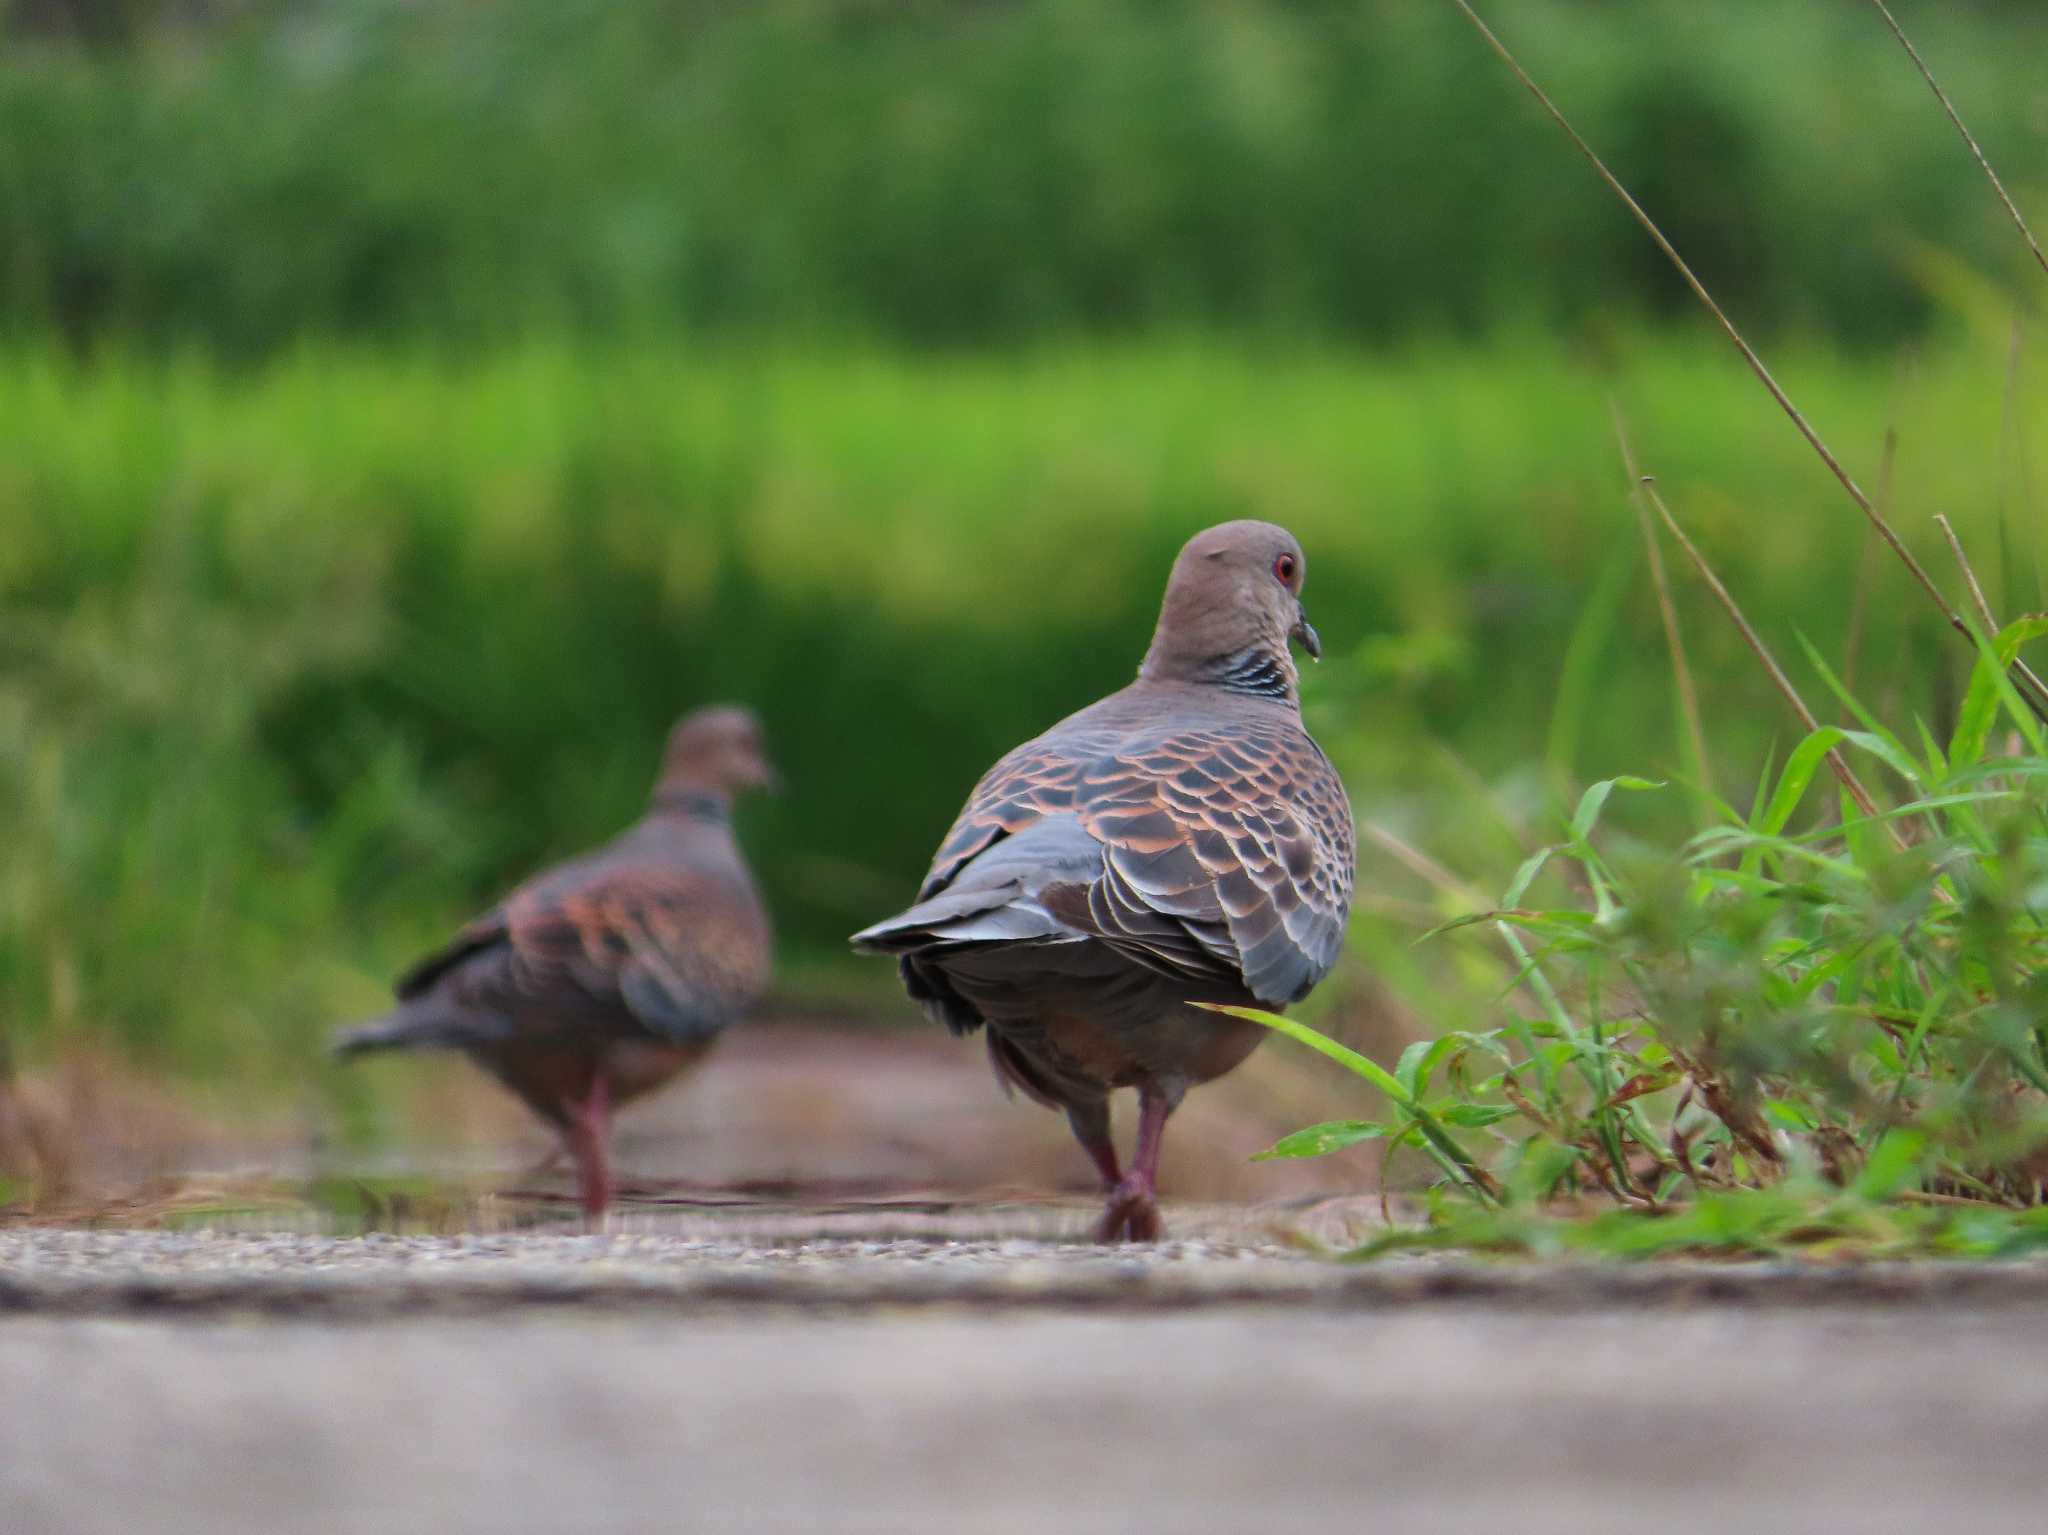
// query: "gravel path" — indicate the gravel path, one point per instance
point(156, 1274)
point(558, 1383)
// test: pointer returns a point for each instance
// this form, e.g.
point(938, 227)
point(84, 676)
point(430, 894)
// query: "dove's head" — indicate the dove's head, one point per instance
point(1233, 604)
point(716, 751)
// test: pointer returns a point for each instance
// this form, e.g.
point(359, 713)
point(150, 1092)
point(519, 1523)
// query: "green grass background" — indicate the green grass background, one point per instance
point(406, 410)
point(960, 173)
point(299, 665)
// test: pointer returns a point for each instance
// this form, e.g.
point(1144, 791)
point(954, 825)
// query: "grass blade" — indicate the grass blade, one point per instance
point(1436, 1140)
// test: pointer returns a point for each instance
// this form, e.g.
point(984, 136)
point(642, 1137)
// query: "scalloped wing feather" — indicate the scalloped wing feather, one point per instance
point(1228, 847)
point(683, 952)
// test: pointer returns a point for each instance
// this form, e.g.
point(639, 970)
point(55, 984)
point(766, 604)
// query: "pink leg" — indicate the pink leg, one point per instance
point(587, 1139)
point(1132, 1213)
point(1153, 1108)
point(1090, 1124)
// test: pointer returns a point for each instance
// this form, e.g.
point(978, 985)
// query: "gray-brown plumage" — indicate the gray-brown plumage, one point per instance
point(599, 980)
point(1183, 840)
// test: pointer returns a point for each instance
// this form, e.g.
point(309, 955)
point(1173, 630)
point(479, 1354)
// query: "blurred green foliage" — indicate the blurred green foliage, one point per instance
point(298, 666)
point(1781, 1035)
point(407, 409)
point(956, 173)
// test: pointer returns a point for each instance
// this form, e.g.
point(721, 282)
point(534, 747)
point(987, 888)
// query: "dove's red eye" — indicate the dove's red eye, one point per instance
point(1284, 568)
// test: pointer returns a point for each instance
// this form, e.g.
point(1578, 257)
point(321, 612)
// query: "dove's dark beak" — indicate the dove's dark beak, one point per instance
point(1305, 632)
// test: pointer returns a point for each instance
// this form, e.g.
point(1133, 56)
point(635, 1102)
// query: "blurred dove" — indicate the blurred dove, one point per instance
point(599, 980)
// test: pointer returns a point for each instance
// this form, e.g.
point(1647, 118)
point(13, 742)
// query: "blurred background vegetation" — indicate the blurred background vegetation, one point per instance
point(247, 174)
point(407, 407)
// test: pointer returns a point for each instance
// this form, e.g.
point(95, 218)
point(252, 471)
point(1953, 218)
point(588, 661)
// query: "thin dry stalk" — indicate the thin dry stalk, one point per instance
point(1688, 696)
point(1948, 106)
point(1859, 601)
point(1957, 1201)
point(2030, 686)
point(1837, 763)
point(1394, 908)
point(1422, 865)
point(1955, 546)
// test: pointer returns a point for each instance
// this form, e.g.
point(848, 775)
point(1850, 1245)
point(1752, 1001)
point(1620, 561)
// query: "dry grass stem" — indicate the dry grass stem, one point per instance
point(1837, 763)
point(1688, 695)
point(1953, 116)
point(1969, 576)
point(1423, 866)
point(2030, 686)
point(1957, 1201)
point(1394, 908)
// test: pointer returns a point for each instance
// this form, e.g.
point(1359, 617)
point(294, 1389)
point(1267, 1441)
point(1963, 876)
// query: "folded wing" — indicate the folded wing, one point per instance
point(1219, 854)
point(671, 950)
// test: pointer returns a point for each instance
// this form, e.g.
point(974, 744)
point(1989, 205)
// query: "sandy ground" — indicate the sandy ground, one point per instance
point(845, 1294)
point(555, 1383)
point(783, 1102)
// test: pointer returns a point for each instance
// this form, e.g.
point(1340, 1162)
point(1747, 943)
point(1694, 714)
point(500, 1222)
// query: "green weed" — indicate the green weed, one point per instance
point(1771, 1038)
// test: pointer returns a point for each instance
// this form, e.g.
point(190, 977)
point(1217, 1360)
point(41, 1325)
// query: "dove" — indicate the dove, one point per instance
point(601, 979)
point(1183, 841)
